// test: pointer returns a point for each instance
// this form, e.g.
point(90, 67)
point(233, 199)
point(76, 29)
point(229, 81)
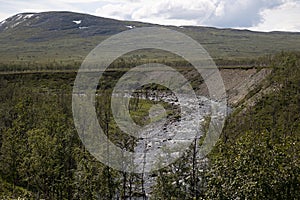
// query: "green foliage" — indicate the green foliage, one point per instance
point(259, 156)
point(257, 166)
point(9, 191)
point(40, 149)
point(41, 155)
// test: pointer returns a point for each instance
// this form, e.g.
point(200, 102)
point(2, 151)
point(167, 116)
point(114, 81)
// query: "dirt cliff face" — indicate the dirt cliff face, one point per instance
point(238, 83)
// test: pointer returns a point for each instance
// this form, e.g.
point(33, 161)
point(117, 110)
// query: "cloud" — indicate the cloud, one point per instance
point(220, 13)
point(240, 13)
point(251, 14)
point(283, 18)
point(122, 11)
point(173, 12)
point(78, 1)
point(9, 8)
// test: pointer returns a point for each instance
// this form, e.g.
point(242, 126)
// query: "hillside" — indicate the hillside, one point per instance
point(66, 38)
point(258, 157)
point(53, 36)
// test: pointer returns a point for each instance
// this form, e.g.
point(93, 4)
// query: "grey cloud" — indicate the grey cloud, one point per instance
point(235, 13)
point(241, 13)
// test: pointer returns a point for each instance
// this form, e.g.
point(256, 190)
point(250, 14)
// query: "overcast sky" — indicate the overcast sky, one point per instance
point(261, 15)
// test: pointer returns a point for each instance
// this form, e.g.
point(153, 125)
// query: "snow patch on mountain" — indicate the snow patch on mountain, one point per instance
point(3, 22)
point(14, 25)
point(77, 21)
point(28, 16)
point(18, 19)
point(130, 27)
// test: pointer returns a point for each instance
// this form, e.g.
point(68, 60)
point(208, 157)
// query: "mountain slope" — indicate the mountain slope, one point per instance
point(50, 25)
point(54, 35)
point(66, 37)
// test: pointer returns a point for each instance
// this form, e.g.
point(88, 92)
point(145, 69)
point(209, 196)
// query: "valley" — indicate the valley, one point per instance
point(42, 155)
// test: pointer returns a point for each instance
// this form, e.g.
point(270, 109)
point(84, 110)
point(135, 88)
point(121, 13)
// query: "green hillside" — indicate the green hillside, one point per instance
point(258, 155)
point(58, 38)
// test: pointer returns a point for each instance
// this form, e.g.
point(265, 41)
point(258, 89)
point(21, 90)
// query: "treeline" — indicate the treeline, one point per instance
point(131, 60)
point(21, 66)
